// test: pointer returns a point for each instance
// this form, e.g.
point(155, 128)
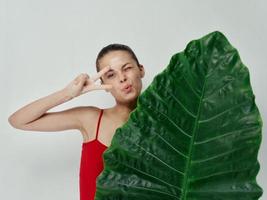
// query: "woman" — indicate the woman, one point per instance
point(120, 74)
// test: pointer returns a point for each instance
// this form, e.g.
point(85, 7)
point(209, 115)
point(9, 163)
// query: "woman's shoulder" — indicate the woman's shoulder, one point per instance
point(88, 110)
point(88, 115)
point(91, 112)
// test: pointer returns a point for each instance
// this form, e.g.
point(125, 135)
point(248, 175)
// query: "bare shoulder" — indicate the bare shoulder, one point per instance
point(88, 112)
point(81, 112)
point(88, 116)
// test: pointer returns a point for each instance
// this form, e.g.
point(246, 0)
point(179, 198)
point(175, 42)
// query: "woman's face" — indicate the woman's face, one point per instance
point(124, 71)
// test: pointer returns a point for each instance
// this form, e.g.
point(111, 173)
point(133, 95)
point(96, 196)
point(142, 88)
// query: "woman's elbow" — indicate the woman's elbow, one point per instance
point(13, 122)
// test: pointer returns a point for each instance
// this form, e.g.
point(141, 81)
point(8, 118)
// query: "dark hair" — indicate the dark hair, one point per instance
point(114, 47)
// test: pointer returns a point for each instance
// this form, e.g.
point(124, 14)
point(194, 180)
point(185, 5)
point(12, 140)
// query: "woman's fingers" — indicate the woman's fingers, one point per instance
point(96, 87)
point(103, 87)
point(81, 78)
point(86, 82)
point(100, 73)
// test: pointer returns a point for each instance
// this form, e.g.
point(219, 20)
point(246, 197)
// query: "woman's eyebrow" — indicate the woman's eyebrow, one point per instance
point(121, 67)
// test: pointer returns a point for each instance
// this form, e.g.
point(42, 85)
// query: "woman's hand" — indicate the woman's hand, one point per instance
point(83, 83)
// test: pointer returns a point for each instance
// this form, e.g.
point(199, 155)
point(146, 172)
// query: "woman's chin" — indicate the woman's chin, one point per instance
point(128, 97)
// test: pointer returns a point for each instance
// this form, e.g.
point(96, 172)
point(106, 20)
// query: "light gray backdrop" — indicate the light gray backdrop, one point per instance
point(45, 44)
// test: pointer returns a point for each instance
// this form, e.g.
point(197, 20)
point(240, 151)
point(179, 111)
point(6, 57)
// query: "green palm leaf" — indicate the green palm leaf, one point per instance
point(194, 135)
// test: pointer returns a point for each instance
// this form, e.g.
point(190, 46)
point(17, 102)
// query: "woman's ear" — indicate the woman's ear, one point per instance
point(142, 70)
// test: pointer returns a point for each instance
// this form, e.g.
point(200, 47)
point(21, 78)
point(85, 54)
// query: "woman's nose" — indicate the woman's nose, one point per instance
point(122, 77)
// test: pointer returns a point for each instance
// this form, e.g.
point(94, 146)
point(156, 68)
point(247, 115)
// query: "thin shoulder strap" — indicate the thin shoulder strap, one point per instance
point(98, 123)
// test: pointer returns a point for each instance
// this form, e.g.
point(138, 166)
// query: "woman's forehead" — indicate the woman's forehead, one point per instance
point(117, 56)
point(116, 60)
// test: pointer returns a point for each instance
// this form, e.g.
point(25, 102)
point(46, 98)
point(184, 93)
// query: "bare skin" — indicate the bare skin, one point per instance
point(35, 116)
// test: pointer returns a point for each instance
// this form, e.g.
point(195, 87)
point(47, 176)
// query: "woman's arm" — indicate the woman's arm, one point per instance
point(34, 116)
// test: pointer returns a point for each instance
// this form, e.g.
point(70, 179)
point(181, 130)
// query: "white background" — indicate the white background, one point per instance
point(45, 44)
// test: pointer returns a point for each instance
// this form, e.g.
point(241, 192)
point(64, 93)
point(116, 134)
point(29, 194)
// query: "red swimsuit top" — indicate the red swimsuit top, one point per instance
point(91, 165)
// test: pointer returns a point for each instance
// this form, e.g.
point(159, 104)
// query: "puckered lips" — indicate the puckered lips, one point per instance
point(127, 88)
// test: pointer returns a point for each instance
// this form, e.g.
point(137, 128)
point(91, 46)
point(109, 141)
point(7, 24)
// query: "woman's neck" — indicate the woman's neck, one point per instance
point(123, 110)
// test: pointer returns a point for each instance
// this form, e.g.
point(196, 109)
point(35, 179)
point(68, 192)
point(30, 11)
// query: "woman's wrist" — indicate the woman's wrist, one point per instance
point(65, 95)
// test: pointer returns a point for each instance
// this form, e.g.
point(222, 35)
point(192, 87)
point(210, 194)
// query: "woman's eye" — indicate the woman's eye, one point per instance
point(127, 68)
point(110, 75)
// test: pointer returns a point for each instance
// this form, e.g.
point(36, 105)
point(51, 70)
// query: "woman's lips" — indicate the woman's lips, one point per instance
point(128, 89)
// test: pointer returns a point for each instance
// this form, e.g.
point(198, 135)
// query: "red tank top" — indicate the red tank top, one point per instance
point(91, 165)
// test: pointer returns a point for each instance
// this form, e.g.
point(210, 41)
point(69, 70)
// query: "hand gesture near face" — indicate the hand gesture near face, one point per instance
point(84, 83)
